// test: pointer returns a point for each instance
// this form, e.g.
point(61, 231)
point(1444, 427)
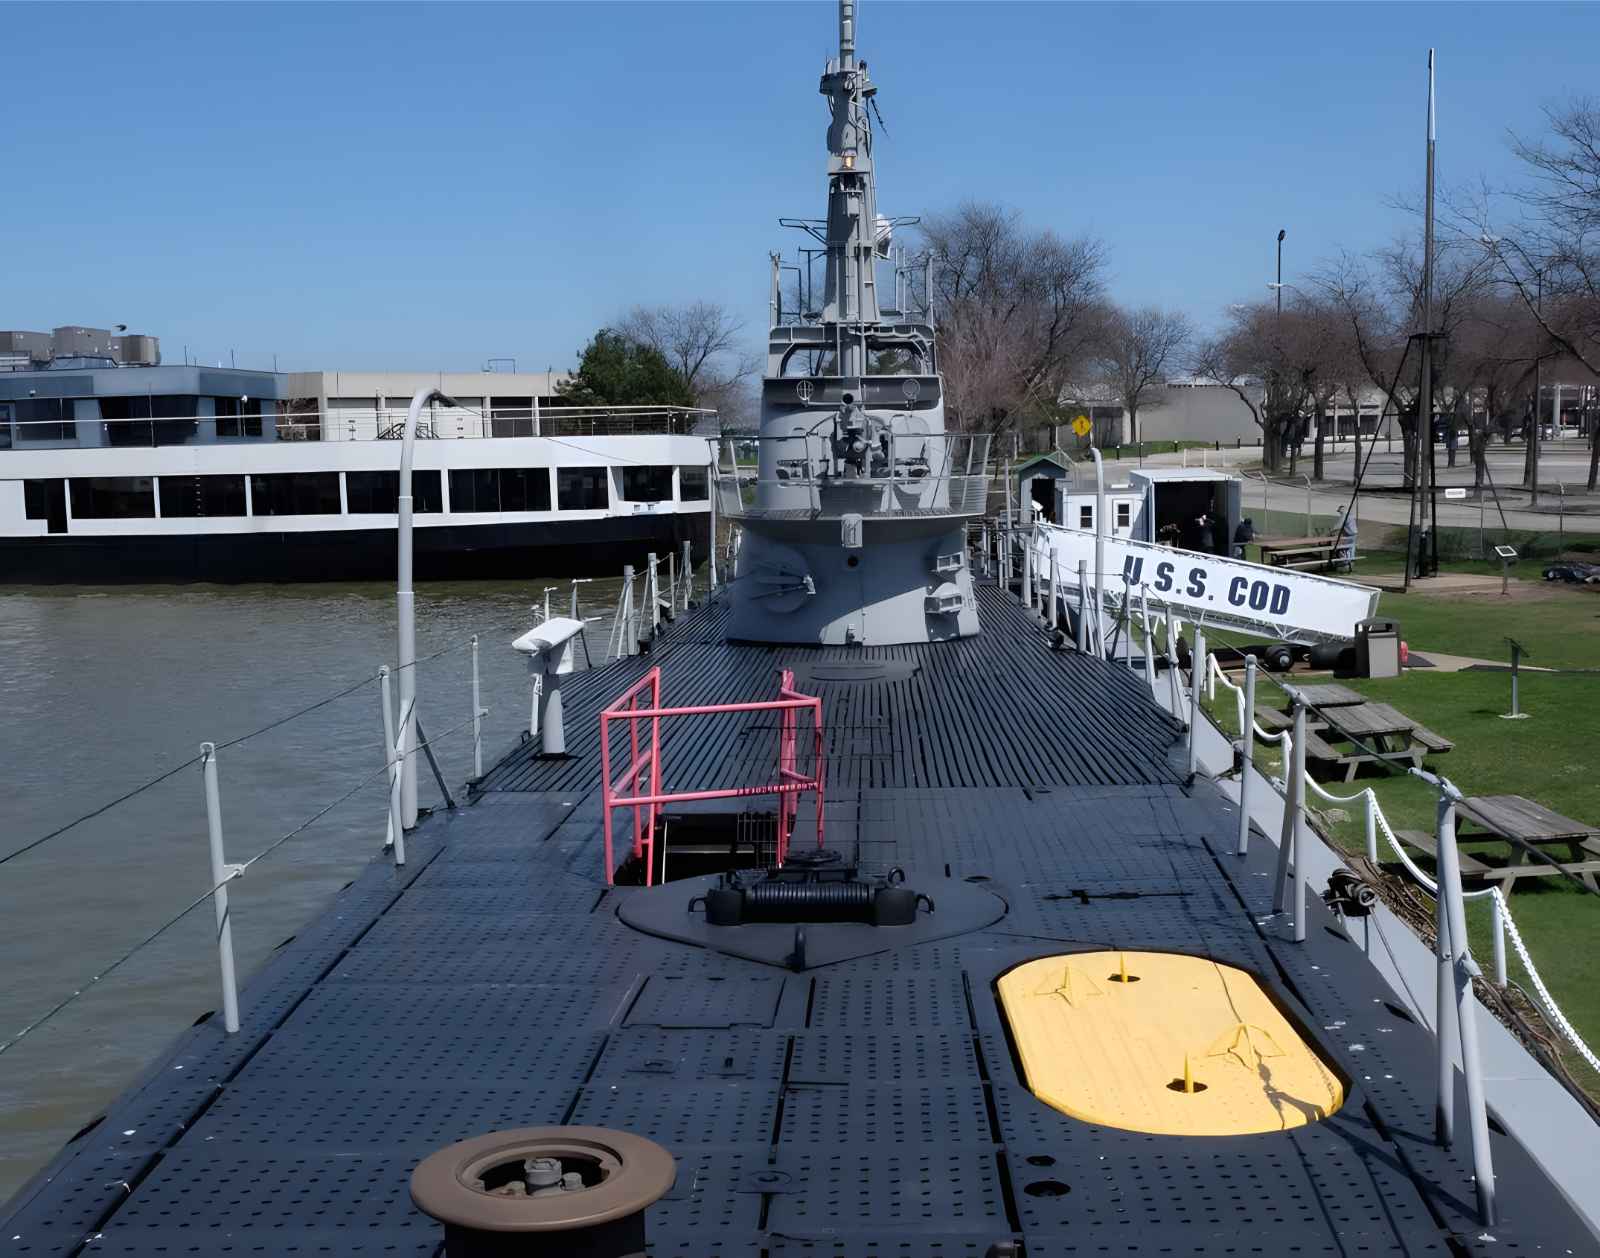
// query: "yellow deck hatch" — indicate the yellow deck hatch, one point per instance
point(1160, 1042)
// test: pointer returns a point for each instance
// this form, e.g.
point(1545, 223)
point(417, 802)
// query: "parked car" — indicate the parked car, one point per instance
point(1573, 572)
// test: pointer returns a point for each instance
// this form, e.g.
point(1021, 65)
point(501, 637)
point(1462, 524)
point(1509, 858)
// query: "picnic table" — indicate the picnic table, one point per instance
point(1378, 732)
point(1304, 552)
point(1528, 826)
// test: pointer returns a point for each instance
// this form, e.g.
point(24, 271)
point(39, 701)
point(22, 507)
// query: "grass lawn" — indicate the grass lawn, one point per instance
point(1550, 758)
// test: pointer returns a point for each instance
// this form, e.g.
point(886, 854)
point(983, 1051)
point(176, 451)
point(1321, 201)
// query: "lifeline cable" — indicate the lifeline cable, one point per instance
point(207, 894)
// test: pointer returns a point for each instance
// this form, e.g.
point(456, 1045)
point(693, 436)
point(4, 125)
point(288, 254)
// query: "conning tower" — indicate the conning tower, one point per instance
point(853, 498)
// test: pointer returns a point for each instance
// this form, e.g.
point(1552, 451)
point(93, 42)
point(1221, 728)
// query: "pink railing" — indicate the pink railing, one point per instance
point(791, 783)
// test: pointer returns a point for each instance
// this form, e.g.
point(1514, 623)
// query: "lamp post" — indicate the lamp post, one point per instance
point(406, 610)
point(1279, 285)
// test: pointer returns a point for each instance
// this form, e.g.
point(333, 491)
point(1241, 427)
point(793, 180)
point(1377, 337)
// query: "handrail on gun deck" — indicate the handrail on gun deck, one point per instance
point(790, 784)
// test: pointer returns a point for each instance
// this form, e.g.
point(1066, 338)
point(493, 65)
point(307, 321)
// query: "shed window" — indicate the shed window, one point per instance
point(189, 497)
point(647, 484)
point(1086, 516)
point(295, 493)
point(378, 493)
point(582, 489)
point(113, 497)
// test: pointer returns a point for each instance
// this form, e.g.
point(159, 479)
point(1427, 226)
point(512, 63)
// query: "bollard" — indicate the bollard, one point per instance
point(477, 715)
point(1456, 971)
point(1290, 863)
point(221, 873)
point(388, 750)
point(1197, 681)
point(1247, 742)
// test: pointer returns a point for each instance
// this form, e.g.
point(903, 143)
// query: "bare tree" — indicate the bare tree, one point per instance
point(1017, 309)
point(701, 340)
point(1271, 361)
point(1136, 350)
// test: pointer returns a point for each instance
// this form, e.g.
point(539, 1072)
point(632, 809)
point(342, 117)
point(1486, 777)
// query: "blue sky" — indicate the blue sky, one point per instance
point(427, 186)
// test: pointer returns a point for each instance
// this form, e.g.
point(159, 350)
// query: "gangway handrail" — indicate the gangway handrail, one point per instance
point(790, 783)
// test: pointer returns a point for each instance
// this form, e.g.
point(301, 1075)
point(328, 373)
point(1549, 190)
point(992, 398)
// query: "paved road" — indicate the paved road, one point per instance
point(1563, 506)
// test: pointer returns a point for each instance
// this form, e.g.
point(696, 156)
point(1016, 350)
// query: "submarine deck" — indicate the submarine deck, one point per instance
point(867, 1107)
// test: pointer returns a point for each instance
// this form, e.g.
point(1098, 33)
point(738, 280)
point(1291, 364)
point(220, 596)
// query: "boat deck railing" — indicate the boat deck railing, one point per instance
point(801, 478)
point(277, 420)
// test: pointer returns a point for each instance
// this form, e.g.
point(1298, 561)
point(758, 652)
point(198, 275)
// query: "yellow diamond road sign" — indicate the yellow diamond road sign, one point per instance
point(1080, 426)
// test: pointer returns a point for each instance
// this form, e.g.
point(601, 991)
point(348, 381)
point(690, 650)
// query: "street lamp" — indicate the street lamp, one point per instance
point(1279, 285)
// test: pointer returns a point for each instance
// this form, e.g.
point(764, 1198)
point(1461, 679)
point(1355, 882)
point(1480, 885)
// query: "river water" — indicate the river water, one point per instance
point(102, 689)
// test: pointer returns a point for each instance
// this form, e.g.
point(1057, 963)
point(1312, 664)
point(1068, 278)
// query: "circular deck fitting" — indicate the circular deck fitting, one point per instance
point(544, 1190)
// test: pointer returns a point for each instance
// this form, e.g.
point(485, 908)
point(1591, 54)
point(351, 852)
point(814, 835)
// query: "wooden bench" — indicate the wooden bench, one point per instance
point(1471, 866)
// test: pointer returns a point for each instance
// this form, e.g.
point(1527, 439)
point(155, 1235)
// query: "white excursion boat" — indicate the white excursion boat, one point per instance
point(183, 473)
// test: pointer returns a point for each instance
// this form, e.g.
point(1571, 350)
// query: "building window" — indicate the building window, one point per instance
point(113, 498)
point(1124, 514)
point(295, 493)
point(693, 484)
point(1086, 516)
point(190, 497)
point(378, 493)
point(582, 489)
point(237, 417)
point(647, 484)
point(500, 489)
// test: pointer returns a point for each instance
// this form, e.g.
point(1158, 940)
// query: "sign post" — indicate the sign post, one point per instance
point(1517, 652)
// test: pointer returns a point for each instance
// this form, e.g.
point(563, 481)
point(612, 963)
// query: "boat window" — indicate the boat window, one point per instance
point(1086, 517)
point(647, 484)
point(694, 484)
point(190, 497)
point(171, 415)
point(295, 493)
point(893, 360)
point(511, 417)
point(237, 417)
point(113, 497)
point(500, 489)
point(45, 419)
point(582, 489)
point(46, 500)
point(1124, 514)
point(378, 493)
point(805, 360)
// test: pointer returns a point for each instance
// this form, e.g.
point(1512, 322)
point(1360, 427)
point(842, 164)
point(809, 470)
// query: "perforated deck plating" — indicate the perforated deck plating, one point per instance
point(870, 1109)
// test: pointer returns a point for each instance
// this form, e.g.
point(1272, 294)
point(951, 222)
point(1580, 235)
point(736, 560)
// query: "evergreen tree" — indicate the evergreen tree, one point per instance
point(617, 371)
